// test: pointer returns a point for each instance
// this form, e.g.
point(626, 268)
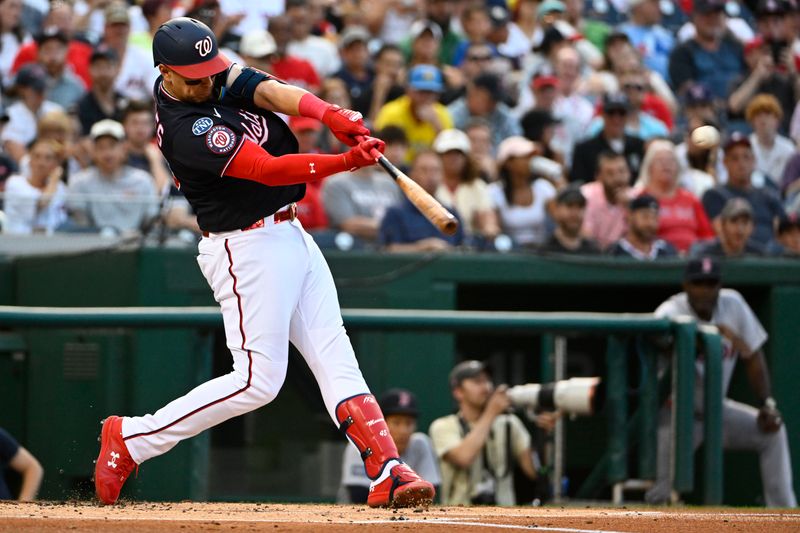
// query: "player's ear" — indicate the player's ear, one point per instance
point(165, 72)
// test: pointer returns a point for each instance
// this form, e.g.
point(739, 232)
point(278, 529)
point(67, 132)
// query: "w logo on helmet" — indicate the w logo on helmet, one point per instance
point(204, 46)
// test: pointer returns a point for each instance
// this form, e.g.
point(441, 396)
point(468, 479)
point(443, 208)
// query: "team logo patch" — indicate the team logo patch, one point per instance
point(220, 139)
point(202, 125)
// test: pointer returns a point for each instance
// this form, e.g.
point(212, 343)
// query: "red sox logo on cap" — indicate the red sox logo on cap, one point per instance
point(204, 46)
point(220, 139)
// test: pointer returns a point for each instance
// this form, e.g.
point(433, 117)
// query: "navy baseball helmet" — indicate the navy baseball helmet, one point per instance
point(188, 47)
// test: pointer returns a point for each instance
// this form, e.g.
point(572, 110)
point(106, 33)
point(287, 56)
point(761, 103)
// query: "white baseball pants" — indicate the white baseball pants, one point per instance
point(273, 286)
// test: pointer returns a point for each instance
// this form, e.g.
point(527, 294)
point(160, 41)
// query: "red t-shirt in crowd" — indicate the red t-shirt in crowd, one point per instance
point(310, 209)
point(78, 55)
point(296, 71)
point(682, 220)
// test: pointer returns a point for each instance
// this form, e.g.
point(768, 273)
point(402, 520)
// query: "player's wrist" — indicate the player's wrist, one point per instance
point(312, 106)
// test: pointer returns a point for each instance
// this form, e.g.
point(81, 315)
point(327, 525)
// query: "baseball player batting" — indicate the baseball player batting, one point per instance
point(235, 161)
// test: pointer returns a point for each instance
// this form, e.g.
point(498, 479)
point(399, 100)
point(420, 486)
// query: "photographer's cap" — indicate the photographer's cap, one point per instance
point(465, 370)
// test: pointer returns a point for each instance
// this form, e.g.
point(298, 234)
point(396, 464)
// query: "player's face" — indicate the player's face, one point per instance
point(186, 89)
point(401, 427)
point(703, 296)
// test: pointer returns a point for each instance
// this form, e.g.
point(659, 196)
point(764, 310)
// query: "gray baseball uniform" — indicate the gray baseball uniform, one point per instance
point(739, 427)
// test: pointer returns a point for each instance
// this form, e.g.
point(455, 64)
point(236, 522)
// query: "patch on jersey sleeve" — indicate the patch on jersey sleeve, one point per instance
point(220, 139)
point(202, 125)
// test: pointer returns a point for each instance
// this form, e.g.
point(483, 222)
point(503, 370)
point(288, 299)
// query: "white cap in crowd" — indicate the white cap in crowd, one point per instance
point(107, 128)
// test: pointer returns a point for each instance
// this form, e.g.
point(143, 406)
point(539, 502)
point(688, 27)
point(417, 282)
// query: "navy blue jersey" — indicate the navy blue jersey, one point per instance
point(200, 140)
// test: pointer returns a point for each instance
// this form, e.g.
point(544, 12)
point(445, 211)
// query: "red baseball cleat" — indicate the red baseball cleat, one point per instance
point(400, 486)
point(114, 464)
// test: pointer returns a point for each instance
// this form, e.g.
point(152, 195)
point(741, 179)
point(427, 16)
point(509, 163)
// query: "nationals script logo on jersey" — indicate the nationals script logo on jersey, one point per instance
point(204, 46)
point(220, 139)
point(254, 126)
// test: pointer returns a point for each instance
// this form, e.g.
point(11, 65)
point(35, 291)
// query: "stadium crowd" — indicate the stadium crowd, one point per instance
point(546, 125)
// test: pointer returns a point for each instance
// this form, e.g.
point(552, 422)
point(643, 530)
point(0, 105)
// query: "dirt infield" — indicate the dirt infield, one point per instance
point(188, 516)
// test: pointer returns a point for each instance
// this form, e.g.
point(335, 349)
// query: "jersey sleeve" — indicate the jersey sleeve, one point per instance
point(8, 447)
point(747, 325)
point(205, 144)
point(445, 435)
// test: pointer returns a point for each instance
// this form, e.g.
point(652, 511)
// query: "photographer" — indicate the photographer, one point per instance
point(479, 446)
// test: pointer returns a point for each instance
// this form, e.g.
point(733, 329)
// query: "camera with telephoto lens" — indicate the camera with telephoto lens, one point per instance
point(574, 396)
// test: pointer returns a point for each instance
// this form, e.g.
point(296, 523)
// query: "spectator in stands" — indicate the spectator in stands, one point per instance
point(606, 199)
point(156, 13)
point(418, 113)
point(611, 138)
point(540, 126)
point(317, 50)
point(641, 241)
point(8, 166)
point(12, 36)
point(137, 75)
point(63, 86)
point(790, 183)
point(389, 22)
point(647, 35)
point(743, 427)
point(61, 17)
point(481, 429)
point(522, 199)
point(35, 202)
point(356, 71)
point(484, 99)
point(387, 85)
point(139, 123)
point(443, 14)
point(59, 127)
point(258, 47)
point(638, 123)
point(310, 210)
point(480, 139)
point(789, 235)
point(764, 76)
point(423, 44)
point(462, 187)
point(399, 407)
point(476, 25)
point(356, 202)
point(404, 229)
point(568, 213)
point(571, 105)
point(17, 458)
point(740, 164)
point(772, 151)
point(478, 59)
point(111, 196)
point(735, 230)
point(682, 220)
point(103, 101)
point(712, 57)
point(29, 87)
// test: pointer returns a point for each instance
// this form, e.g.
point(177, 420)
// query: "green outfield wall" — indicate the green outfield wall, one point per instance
point(60, 383)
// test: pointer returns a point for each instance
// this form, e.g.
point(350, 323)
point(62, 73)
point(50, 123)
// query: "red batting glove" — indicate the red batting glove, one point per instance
point(359, 156)
point(345, 124)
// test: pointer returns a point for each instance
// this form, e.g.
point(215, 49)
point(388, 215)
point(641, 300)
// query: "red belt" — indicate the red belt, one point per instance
point(290, 213)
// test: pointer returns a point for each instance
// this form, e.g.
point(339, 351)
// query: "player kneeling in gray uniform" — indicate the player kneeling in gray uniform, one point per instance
point(743, 427)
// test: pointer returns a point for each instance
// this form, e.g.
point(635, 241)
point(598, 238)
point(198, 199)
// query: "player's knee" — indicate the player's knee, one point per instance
point(266, 381)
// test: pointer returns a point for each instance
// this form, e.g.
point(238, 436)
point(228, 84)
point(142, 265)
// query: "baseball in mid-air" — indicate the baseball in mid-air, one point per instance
point(706, 137)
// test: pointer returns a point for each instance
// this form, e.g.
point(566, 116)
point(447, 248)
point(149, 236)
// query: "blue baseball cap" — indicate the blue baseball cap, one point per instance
point(426, 78)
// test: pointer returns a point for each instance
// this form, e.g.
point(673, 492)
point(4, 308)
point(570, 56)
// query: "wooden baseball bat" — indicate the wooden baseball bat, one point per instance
point(427, 204)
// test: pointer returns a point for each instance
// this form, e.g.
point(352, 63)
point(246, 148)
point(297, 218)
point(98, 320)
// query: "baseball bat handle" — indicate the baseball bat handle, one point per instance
point(427, 204)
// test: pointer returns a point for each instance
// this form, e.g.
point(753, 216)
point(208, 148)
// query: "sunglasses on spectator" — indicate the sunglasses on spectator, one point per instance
point(479, 57)
point(616, 112)
point(633, 86)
